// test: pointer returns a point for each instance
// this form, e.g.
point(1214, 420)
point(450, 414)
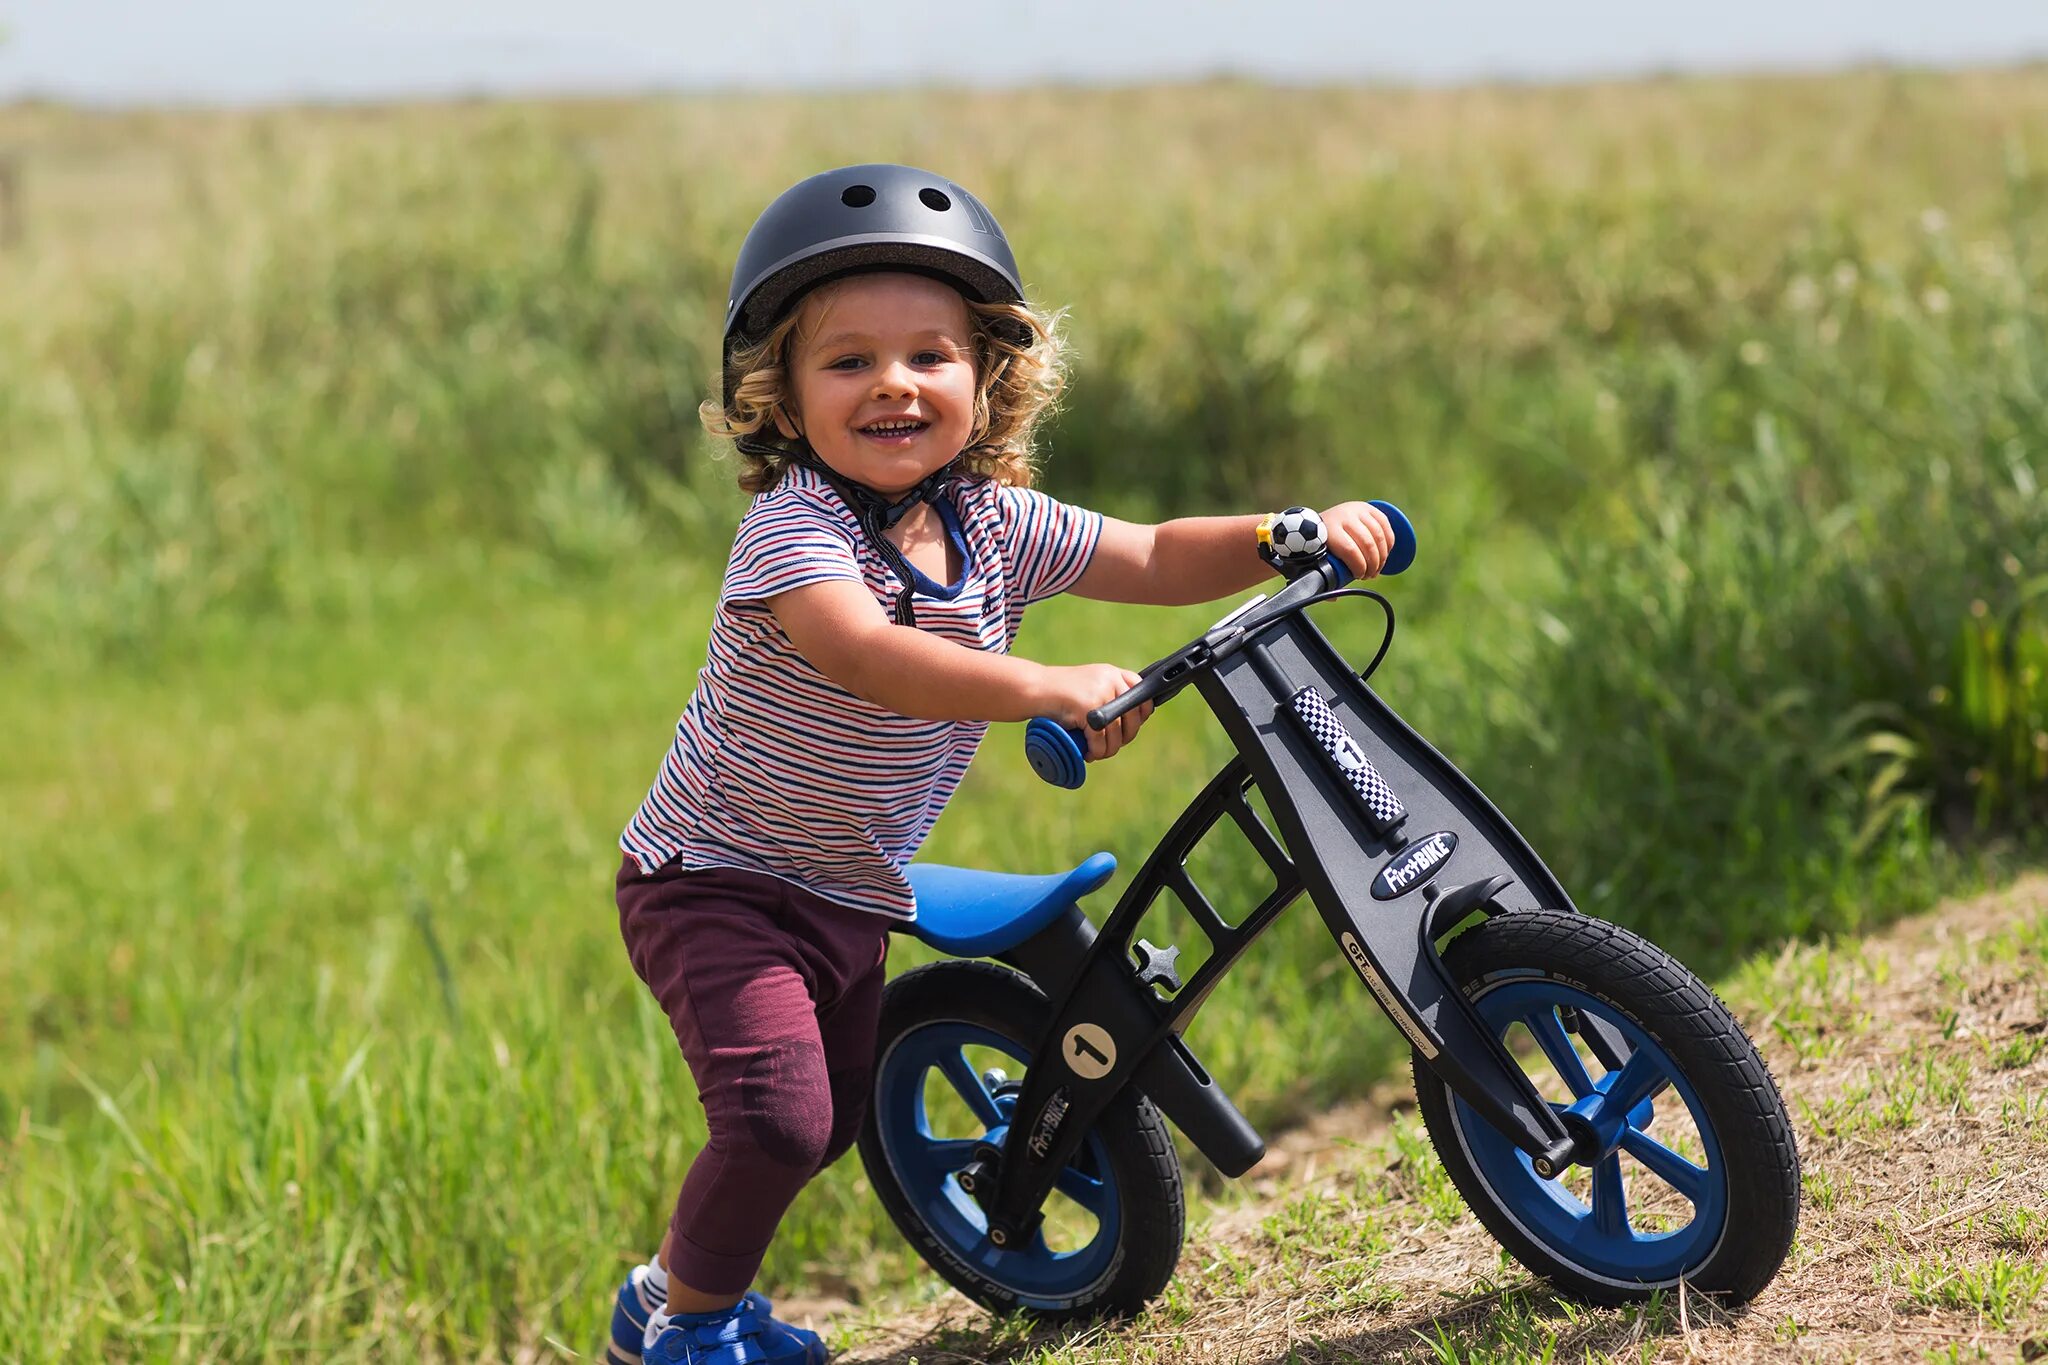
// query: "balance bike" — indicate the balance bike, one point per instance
point(1598, 1108)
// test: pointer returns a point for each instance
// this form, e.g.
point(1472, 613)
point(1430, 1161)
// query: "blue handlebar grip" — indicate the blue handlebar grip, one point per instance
point(1403, 553)
point(1056, 753)
point(1398, 558)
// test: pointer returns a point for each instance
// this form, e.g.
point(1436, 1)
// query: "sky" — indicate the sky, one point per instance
point(128, 52)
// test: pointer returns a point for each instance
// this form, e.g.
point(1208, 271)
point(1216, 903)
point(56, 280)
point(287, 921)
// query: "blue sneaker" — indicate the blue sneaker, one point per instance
point(783, 1343)
point(745, 1334)
point(779, 1343)
point(728, 1337)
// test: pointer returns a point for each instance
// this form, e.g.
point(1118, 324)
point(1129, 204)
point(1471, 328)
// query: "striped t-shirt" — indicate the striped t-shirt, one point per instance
point(776, 768)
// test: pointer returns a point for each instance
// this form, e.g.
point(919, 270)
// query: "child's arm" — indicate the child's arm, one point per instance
point(1199, 559)
point(840, 628)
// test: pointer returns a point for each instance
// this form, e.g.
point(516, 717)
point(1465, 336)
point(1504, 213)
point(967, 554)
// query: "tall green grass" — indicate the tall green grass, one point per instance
point(237, 347)
point(1804, 643)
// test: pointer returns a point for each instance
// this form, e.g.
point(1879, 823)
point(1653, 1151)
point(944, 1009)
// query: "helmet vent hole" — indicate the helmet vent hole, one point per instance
point(857, 196)
point(935, 199)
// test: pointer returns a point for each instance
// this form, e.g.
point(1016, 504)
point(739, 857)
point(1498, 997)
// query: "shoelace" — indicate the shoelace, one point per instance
point(742, 1325)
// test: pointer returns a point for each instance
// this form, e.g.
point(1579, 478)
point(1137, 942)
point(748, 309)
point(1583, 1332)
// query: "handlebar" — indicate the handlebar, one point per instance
point(1058, 753)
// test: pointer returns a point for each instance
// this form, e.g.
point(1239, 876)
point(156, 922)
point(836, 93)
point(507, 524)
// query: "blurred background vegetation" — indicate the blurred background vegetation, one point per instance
point(357, 544)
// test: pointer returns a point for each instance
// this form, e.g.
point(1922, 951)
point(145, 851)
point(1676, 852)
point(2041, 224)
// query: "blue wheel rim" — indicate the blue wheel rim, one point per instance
point(924, 1165)
point(1596, 1235)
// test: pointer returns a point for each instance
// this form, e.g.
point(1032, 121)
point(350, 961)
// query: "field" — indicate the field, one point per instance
point(356, 543)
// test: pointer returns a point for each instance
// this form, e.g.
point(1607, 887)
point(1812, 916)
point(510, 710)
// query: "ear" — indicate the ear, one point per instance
point(786, 424)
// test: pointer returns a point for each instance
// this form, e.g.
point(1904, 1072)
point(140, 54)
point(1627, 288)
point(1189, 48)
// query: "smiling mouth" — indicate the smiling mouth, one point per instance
point(894, 426)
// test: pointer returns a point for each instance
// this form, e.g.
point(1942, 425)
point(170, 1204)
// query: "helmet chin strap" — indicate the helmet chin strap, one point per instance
point(875, 511)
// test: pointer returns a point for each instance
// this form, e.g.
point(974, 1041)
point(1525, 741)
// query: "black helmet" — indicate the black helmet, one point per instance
point(844, 222)
point(859, 218)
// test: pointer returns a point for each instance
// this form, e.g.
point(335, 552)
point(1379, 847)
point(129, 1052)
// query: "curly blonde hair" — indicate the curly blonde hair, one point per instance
point(1019, 364)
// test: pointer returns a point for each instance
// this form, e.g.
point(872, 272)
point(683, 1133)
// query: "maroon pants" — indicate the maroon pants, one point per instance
point(774, 994)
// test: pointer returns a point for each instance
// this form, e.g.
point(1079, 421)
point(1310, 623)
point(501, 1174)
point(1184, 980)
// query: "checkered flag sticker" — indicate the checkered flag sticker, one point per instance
point(1384, 809)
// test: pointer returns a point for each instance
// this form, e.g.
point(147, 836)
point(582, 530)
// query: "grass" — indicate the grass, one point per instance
point(1999, 1291)
point(345, 1090)
point(355, 535)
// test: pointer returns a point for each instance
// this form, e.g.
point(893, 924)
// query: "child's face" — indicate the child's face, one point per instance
point(883, 378)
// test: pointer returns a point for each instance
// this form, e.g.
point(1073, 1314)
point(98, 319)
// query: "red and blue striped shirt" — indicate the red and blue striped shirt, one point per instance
point(776, 768)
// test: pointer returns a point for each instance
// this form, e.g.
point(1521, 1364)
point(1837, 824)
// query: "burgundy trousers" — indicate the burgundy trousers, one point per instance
point(774, 994)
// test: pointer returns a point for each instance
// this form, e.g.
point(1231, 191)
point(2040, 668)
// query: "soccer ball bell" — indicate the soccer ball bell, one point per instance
point(1298, 534)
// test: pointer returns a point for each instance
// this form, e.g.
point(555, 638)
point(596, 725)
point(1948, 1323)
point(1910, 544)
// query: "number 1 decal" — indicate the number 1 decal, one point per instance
point(1089, 1051)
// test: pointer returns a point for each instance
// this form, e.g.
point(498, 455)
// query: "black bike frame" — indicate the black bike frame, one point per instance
point(1110, 1027)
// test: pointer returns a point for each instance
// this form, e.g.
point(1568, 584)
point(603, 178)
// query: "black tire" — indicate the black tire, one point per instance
point(1736, 1100)
point(1135, 1148)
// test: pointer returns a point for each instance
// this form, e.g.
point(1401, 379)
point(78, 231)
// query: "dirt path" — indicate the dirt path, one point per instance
point(1915, 1067)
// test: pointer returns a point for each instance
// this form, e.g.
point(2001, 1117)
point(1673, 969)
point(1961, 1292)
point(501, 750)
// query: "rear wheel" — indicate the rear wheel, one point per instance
point(955, 1044)
point(1698, 1173)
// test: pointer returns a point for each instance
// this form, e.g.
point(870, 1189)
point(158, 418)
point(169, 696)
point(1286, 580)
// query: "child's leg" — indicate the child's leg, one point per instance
point(748, 1028)
point(848, 1033)
point(849, 1038)
point(745, 966)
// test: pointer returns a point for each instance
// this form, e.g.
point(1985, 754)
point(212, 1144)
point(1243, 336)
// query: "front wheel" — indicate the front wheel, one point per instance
point(1697, 1177)
point(955, 1041)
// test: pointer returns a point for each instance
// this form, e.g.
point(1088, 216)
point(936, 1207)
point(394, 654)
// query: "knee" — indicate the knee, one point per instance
point(785, 1108)
point(793, 1133)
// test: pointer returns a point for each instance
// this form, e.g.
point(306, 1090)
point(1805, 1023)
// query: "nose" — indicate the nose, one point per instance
point(895, 380)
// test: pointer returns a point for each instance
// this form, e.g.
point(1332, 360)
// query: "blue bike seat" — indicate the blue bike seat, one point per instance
point(967, 913)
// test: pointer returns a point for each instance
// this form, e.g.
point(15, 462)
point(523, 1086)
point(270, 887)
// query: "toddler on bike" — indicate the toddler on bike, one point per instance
point(883, 377)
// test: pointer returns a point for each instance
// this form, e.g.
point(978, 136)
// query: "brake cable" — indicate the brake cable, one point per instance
point(1386, 641)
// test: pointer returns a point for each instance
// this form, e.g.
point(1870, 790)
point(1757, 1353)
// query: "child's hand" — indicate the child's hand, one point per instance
point(1071, 693)
point(1360, 535)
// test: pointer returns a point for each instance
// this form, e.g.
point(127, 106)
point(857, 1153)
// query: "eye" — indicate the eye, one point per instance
point(846, 362)
point(931, 357)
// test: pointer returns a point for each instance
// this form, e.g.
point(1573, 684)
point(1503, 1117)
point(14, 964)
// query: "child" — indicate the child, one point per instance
point(882, 378)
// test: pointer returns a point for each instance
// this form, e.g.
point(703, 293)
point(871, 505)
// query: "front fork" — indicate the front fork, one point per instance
point(1388, 890)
